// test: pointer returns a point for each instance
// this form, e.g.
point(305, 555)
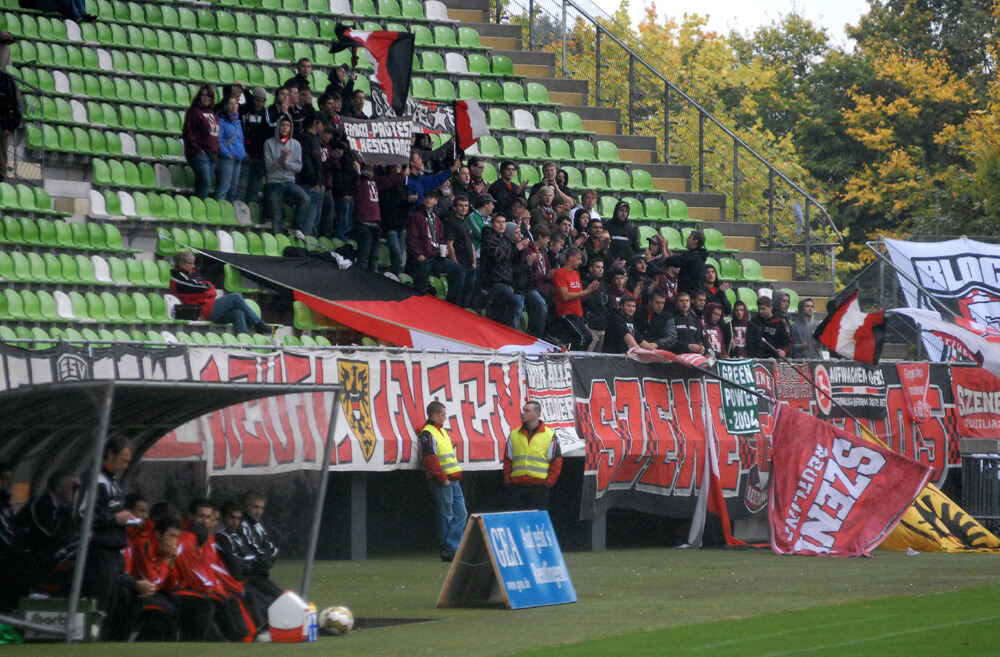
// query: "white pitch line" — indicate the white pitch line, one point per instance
point(770, 635)
point(888, 635)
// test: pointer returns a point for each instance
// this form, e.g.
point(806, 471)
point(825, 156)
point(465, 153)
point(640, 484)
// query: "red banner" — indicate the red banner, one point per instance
point(915, 379)
point(833, 493)
point(977, 402)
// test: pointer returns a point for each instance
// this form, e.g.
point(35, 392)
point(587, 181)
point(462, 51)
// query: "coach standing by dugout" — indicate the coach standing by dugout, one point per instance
point(532, 461)
point(444, 473)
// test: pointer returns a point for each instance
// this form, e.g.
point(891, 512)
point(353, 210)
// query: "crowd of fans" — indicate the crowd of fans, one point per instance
point(156, 573)
point(504, 249)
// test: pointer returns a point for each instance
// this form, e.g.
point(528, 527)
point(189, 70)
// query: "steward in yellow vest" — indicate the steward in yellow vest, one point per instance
point(444, 474)
point(532, 461)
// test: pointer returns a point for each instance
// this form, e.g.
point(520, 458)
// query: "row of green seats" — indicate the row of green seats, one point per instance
point(23, 198)
point(125, 173)
point(651, 208)
point(153, 206)
point(43, 232)
point(62, 268)
point(170, 242)
point(86, 337)
point(80, 141)
point(105, 308)
point(540, 120)
point(581, 150)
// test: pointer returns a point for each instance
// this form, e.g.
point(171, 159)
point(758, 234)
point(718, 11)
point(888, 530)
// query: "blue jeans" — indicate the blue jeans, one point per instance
point(203, 169)
point(253, 175)
point(275, 195)
point(366, 235)
point(229, 176)
point(232, 309)
point(438, 266)
point(315, 212)
point(503, 305)
point(449, 503)
point(538, 311)
point(342, 211)
point(396, 241)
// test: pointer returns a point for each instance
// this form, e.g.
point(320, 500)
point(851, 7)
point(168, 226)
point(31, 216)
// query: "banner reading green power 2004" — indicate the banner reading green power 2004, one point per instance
point(739, 406)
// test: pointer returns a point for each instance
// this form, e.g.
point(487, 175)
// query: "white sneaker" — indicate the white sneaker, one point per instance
point(263, 637)
point(298, 234)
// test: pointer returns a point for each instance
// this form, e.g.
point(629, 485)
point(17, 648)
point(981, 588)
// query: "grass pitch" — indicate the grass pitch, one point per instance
point(657, 602)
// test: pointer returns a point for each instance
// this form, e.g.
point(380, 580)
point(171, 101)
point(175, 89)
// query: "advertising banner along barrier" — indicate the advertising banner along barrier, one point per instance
point(833, 493)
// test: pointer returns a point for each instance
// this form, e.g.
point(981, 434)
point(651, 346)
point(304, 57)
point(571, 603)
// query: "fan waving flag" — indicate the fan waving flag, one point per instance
point(470, 123)
point(391, 53)
point(853, 333)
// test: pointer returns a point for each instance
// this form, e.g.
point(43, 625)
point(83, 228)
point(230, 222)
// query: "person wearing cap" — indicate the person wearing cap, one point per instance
point(255, 132)
point(505, 190)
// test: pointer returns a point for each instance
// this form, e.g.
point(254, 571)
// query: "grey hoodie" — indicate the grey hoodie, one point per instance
point(278, 171)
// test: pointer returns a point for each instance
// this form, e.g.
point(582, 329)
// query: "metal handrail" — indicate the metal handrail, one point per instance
point(557, 13)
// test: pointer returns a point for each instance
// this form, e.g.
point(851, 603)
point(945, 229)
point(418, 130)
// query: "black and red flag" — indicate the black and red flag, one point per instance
point(391, 53)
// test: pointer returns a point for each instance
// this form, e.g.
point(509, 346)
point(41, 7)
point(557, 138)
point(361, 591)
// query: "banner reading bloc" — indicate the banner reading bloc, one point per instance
point(380, 141)
point(833, 493)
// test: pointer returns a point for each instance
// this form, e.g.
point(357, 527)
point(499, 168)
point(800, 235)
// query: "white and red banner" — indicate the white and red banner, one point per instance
point(833, 493)
point(977, 402)
point(915, 379)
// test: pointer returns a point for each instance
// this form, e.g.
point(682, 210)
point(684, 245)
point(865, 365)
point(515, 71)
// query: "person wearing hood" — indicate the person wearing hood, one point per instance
point(713, 331)
point(715, 290)
point(624, 234)
point(232, 150)
point(738, 331)
point(282, 162)
point(803, 329)
point(639, 281)
point(341, 84)
point(200, 135)
point(781, 302)
point(692, 264)
point(666, 280)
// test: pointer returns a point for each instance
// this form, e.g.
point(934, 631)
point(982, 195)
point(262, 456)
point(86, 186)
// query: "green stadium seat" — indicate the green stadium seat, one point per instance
point(560, 151)
point(444, 90)
point(619, 180)
point(673, 238)
point(444, 37)
point(528, 172)
point(607, 151)
point(747, 296)
point(729, 270)
point(469, 38)
point(753, 272)
point(677, 210)
point(499, 119)
point(595, 179)
point(513, 93)
point(511, 148)
point(655, 209)
point(489, 146)
point(468, 90)
point(642, 181)
point(491, 92)
point(503, 66)
point(715, 241)
point(583, 151)
point(571, 122)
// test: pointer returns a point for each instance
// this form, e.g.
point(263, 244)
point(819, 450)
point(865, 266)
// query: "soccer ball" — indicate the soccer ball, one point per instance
point(336, 620)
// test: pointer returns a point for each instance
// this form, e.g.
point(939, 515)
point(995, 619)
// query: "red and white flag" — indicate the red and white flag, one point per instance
point(834, 493)
point(853, 333)
point(470, 123)
point(696, 361)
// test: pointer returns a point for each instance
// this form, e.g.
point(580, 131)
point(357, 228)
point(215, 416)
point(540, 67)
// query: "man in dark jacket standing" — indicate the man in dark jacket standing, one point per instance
point(255, 132)
point(768, 335)
point(692, 274)
point(624, 234)
point(497, 274)
point(311, 176)
point(104, 575)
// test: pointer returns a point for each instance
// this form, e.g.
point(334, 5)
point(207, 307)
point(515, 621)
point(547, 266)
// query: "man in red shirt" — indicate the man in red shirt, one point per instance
point(205, 589)
point(568, 291)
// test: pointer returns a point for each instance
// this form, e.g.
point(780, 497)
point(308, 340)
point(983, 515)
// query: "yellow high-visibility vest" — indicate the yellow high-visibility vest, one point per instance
point(530, 458)
point(445, 450)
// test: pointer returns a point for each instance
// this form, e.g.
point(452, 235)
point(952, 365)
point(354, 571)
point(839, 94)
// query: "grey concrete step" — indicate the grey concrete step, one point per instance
point(524, 57)
point(741, 229)
point(663, 170)
point(562, 84)
point(504, 30)
point(482, 5)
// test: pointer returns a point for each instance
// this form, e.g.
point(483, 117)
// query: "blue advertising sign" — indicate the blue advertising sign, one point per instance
point(527, 558)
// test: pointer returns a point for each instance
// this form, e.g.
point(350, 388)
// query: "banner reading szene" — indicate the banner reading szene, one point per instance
point(380, 141)
point(833, 493)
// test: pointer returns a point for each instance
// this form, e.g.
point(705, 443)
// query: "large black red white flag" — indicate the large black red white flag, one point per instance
point(833, 493)
point(380, 307)
point(391, 53)
point(379, 141)
point(853, 333)
point(963, 275)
